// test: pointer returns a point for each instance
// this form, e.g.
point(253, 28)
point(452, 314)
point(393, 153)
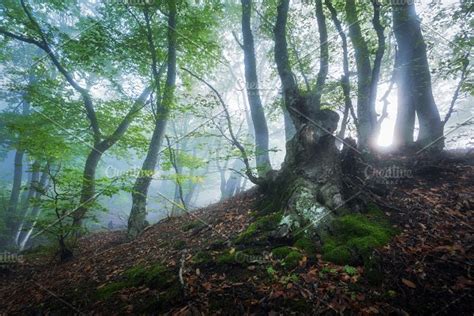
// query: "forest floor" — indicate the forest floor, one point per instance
point(189, 265)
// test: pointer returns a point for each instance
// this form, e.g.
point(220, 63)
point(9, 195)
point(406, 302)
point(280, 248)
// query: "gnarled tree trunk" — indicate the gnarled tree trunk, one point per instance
point(311, 173)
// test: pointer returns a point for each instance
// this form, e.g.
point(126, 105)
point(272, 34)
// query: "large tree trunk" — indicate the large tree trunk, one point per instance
point(311, 173)
point(414, 82)
point(253, 93)
point(136, 221)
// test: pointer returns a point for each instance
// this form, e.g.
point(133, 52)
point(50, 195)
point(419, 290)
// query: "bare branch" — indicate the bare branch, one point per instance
point(234, 139)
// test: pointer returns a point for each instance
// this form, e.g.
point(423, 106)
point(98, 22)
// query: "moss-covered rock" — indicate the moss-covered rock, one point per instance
point(290, 257)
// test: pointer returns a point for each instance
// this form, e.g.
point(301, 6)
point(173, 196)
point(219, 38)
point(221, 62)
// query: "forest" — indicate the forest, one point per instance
point(236, 157)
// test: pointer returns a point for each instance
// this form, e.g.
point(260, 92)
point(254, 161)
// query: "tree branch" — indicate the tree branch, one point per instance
point(290, 87)
point(458, 89)
point(234, 139)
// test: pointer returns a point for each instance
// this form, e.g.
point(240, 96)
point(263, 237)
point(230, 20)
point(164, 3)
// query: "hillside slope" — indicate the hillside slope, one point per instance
point(191, 265)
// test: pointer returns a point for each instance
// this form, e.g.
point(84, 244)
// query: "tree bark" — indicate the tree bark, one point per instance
point(366, 115)
point(253, 93)
point(414, 82)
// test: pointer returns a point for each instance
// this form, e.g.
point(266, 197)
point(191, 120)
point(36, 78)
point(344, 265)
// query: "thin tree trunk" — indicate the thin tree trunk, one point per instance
point(25, 204)
point(366, 115)
point(35, 211)
point(345, 84)
point(88, 186)
point(16, 188)
point(136, 221)
point(253, 93)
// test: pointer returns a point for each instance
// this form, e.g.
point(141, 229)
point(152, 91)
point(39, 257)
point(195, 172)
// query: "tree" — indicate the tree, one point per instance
point(367, 76)
point(36, 36)
point(136, 221)
point(253, 93)
point(414, 83)
point(311, 171)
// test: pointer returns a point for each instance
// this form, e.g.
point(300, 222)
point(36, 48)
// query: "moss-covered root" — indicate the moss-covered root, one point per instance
point(262, 228)
point(354, 237)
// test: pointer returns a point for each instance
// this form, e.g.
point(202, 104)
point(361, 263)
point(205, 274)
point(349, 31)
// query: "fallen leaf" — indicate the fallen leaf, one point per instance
point(409, 283)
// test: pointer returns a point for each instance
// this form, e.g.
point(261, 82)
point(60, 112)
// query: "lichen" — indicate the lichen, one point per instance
point(304, 210)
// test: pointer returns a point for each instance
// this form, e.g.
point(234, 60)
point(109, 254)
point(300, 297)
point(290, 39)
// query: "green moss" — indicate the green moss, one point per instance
point(180, 244)
point(262, 226)
point(338, 255)
point(307, 245)
point(354, 237)
point(155, 277)
point(269, 222)
point(193, 225)
point(108, 290)
point(247, 234)
point(281, 252)
point(217, 244)
point(202, 257)
point(226, 258)
point(292, 260)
